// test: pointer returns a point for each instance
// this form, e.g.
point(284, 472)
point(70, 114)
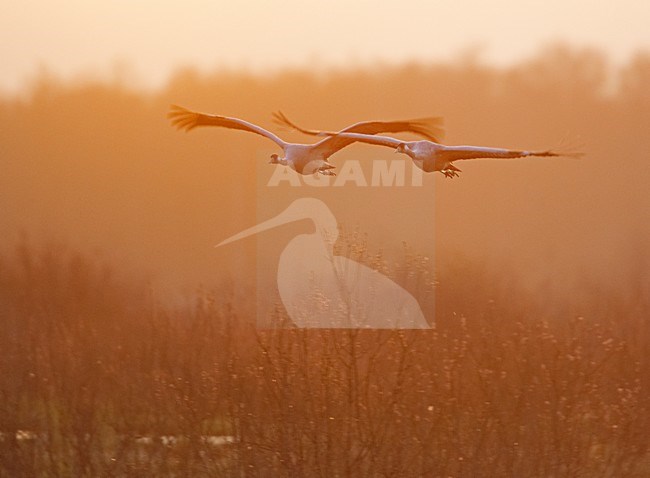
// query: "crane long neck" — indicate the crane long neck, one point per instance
point(410, 153)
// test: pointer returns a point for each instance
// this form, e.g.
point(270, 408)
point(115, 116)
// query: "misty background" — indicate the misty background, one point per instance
point(95, 165)
point(538, 364)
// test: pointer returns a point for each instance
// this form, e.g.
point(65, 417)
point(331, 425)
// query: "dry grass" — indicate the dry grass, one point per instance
point(92, 366)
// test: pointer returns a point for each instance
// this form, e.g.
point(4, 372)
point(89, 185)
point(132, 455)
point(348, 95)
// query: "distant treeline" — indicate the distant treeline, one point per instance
point(97, 165)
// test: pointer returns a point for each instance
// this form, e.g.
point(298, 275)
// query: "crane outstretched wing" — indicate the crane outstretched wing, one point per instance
point(459, 153)
point(375, 139)
point(187, 120)
point(428, 128)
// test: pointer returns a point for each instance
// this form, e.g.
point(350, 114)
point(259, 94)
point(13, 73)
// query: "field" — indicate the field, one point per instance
point(130, 348)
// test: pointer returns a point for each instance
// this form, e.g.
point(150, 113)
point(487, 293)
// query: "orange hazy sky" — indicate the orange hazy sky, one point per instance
point(144, 40)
